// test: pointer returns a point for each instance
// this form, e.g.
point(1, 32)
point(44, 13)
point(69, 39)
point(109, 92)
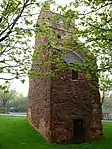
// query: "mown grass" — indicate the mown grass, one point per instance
point(16, 133)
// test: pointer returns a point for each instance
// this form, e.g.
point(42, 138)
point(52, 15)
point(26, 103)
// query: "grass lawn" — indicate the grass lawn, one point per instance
point(16, 133)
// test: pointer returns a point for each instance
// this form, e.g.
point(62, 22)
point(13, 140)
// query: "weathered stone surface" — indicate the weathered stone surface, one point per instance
point(54, 104)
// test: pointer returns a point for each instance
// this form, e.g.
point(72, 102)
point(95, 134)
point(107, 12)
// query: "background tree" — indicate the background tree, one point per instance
point(16, 30)
point(19, 104)
point(6, 96)
point(93, 25)
point(107, 104)
point(91, 34)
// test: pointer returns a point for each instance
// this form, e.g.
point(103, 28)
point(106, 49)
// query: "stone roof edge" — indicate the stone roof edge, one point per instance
point(68, 50)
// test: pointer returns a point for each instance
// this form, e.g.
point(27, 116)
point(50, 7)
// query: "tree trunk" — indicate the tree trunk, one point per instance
point(4, 108)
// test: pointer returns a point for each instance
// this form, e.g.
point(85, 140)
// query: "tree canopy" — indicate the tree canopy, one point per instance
point(16, 30)
point(93, 28)
point(6, 96)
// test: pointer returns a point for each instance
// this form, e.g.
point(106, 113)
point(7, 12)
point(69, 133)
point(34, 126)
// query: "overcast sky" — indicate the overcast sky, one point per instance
point(16, 84)
point(24, 87)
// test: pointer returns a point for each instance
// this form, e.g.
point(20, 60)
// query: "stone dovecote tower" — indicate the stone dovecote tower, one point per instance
point(65, 107)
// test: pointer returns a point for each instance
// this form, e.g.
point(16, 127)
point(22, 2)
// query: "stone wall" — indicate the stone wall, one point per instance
point(39, 104)
point(70, 100)
point(55, 102)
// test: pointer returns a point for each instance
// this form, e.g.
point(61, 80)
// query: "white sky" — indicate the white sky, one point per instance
point(16, 84)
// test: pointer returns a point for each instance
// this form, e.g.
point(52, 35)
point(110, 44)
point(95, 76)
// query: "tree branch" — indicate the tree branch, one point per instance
point(14, 22)
point(98, 27)
point(97, 9)
point(10, 66)
point(7, 7)
point(105, 69)
point(7, 78)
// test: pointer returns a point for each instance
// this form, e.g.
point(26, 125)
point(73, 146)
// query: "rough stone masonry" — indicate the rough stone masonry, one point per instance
point(66, 107)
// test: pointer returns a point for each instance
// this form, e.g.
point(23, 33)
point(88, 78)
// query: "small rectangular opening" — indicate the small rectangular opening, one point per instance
point(74, 75)
point(78, 131)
